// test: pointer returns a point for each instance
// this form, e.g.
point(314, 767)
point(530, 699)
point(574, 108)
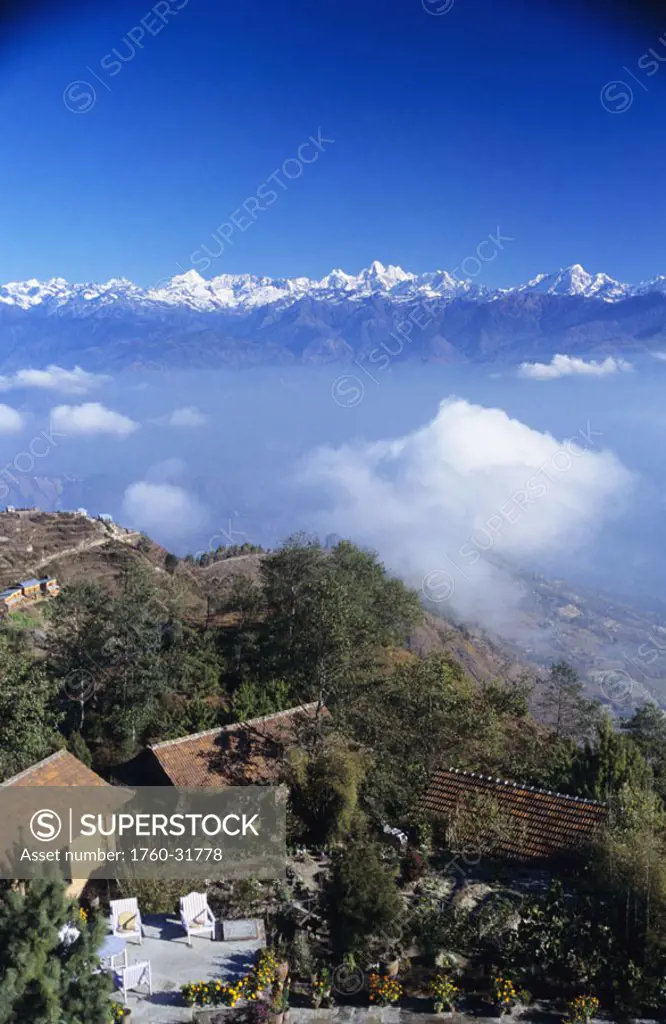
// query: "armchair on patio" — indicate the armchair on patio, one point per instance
point(126, 918)
point(129, 978)
point(196, 916)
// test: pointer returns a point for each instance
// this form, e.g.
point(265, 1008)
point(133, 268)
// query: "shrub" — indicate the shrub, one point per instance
point(413, 866)
point(300, 955)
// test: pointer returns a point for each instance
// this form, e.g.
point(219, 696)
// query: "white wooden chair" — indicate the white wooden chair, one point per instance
point(196, 916)
point(126, 918)
point(130, 978)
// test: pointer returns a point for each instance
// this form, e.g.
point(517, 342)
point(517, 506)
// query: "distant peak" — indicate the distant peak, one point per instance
point(189, 277)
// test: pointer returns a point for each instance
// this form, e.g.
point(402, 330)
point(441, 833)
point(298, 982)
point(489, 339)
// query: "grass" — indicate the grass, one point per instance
point(24, 619)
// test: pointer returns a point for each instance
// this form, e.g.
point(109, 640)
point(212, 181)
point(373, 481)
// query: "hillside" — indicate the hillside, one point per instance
point(34, 542)
point(77, 549)
point(616, 648)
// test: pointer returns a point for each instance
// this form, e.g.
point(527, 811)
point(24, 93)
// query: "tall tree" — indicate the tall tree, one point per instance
point(567, 711)
point(647, 729)
point(78, 649)
point(324, 787)
point(329, 614)
point(362, 896)
point(28, 717)
point(608, 762)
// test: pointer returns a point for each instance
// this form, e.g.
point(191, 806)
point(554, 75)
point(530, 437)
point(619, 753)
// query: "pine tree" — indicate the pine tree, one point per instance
point(608, 763)
point(569, 713)
point(42, 979)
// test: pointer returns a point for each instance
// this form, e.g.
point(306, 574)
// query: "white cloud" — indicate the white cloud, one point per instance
point(189, 416)
point(566, 366)
point(11, 421)
point(55, 378)
point(164, 511)
point(91, 418)
point(469, 488)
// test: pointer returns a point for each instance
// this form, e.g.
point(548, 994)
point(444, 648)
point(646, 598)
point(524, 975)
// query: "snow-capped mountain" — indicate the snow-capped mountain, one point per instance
point(236, 319)
point(247, 291)
point(575, 280)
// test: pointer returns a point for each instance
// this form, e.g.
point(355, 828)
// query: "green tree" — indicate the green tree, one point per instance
point(170, 563)
point(191, 679)
point(362, 896)
point(413, 716)
point(28, 717)
point(78, 649)
point(628, 871)
point(256, 700)
point(608, 762)
point(324, 788)
point(240, 643)
point(79, 748)
point(43, 980)
point(567, 711)
point(328, 615)
point(647, 729)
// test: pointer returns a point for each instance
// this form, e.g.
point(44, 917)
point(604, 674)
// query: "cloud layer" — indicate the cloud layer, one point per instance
point(11, 421)
point(55, 378)
point(163, 510)
point(188, 416)
point(91, 418)
point(567, 366)
point(463, 494)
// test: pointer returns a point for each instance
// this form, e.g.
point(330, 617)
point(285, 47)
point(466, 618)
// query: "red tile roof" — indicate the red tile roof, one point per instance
point(547, 824)
point(241, 754)
point(59, 769)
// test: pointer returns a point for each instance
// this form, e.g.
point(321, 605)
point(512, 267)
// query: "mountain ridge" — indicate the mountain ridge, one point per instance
point(380, 315)
point(243, 292)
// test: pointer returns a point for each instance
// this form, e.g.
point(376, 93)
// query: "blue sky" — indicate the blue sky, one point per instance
point(444, 126)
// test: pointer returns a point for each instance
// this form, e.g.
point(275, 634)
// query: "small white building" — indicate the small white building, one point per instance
point(82, 512)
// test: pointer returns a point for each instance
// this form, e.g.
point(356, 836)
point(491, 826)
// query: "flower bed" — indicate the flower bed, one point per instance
point(444, 993)
point(504, 994)
point(382, 990)
point(581, 1009)
point(119, 1013)
point(249, 987)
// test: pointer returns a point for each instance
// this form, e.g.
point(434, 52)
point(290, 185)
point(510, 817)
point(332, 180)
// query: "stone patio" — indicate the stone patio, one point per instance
point(173, 963)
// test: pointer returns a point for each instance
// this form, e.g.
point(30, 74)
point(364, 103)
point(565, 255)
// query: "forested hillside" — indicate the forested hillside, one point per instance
point(114, 668)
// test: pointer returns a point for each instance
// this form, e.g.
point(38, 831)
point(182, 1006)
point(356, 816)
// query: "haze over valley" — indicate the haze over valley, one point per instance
point(467, 481)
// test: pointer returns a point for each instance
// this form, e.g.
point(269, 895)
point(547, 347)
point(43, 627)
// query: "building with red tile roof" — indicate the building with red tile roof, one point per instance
point(542, 825)
point(240, 754)
point(58, 769)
